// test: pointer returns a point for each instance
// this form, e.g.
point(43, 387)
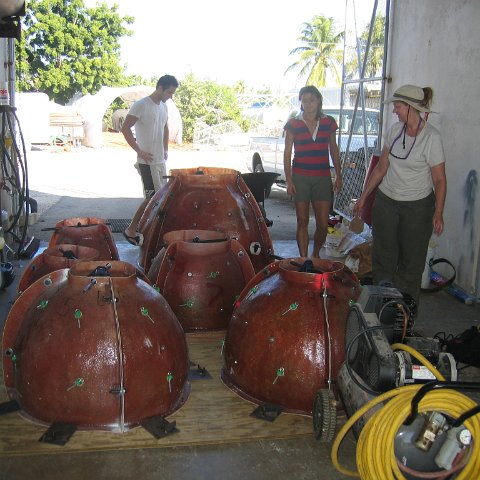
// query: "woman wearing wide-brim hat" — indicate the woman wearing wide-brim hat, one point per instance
point(412, 186)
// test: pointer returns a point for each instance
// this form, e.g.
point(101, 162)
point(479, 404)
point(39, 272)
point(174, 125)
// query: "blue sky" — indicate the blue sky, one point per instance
point(220, 40)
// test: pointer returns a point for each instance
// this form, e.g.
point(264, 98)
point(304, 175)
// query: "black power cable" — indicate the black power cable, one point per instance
point(15, 172)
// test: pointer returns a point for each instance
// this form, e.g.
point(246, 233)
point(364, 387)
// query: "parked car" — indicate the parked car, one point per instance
point(266, 153)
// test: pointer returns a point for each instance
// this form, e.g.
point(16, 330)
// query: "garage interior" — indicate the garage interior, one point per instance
point(217, 436)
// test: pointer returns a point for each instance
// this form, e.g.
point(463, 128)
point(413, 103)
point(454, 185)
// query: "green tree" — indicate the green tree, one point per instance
point(240, 87)
point(67, 48)
point(320, 51)
point(207, 101)
point(375, 56)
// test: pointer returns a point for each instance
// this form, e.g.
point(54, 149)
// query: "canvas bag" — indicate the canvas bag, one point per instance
point(359, 260)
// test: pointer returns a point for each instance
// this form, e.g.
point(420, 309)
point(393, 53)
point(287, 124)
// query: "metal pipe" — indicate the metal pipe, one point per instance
point(385, 68)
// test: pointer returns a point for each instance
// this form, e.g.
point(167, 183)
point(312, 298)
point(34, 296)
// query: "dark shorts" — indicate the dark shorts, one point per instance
point(312, 189)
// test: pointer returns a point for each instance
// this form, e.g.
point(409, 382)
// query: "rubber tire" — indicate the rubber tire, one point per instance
point(324, 415)
point(259, 169)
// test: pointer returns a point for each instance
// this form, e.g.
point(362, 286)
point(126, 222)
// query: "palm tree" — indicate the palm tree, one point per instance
point(375, 56)
point(320, 51)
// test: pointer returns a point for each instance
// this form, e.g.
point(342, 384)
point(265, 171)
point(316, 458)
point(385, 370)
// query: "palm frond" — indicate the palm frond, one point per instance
point(318, 51)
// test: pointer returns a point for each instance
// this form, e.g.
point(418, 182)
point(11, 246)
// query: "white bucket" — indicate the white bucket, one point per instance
point(427, 272)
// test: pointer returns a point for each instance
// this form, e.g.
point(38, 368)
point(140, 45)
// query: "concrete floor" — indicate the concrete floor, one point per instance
point(302, 458)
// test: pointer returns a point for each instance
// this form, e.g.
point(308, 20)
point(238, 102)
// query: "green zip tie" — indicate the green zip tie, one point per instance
point(252, 291)
point(169, 380)
point(280, 373)
point(292, 307)
point(189, 304)
point(79, 382)
point(144, 312)
point(43, 304)
point(78, 315)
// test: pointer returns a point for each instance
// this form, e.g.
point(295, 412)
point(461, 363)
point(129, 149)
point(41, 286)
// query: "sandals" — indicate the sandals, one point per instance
point(137, 240)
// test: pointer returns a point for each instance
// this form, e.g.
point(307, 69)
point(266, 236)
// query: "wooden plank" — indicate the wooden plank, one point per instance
point(66, 119)
point(213, 414)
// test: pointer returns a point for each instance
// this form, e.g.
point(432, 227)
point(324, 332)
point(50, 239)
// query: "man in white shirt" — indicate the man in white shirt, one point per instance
point(149, 116)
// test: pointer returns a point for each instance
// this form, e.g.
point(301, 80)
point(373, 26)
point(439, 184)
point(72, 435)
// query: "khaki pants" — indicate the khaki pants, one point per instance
point(401, 232)
point(153, 177)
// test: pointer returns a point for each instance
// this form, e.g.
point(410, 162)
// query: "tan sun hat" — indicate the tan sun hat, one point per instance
point(411, 95)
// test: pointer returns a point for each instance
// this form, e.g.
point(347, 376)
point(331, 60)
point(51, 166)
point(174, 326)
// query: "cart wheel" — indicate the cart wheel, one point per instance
point(324, 415)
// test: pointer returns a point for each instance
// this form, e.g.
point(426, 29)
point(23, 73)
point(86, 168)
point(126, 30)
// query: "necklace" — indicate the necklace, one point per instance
point(404, 131)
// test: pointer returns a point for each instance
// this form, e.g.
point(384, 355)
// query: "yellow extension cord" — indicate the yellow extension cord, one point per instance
point(375, 454)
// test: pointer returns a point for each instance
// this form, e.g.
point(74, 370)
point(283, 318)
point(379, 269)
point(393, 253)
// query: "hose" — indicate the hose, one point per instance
point(414, 353)
point(375, 455)
point(12, 165)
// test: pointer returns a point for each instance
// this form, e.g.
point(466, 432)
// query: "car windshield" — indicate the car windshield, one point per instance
point(371, 119)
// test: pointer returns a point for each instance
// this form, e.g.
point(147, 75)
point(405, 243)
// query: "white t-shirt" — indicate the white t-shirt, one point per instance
point(411, 179)
point(149, 128)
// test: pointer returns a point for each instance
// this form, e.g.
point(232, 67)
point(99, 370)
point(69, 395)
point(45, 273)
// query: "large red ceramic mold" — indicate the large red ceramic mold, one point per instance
point(286, 337)
point(55, 258)
point(94, 346)
point(202, 280)
point(88, 232)
point(206, 198)
point(193, 236)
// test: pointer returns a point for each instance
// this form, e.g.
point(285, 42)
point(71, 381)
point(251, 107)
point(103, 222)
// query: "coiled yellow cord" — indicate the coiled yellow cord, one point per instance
point(375, 454)
point(420, 358)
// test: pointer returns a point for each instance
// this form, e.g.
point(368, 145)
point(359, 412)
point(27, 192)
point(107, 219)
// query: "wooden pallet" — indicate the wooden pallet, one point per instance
point(213, 414)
